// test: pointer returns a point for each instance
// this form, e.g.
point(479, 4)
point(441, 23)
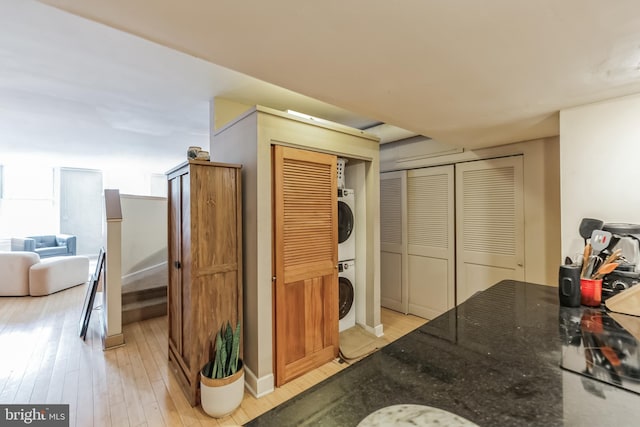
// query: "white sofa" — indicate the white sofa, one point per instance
point(14, 272)
point(23, 273)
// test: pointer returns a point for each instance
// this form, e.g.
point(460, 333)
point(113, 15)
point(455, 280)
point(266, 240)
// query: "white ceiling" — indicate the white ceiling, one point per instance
point(467, 73)
point(89, 95)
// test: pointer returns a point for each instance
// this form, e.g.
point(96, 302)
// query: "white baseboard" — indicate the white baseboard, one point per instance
point(137, 275)
point(258, 387)
point(377, 331)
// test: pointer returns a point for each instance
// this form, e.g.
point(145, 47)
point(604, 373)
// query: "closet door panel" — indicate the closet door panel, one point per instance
point(393, 247)
point(430, 240)
point(430, 299)
point(489, 224)
point(391, 276)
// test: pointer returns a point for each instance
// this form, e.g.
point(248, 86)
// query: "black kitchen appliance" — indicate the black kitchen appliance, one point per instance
point(569, 285)
point(626, 237)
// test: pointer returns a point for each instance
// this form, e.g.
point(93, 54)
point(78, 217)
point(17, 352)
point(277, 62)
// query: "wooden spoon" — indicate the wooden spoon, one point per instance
point(585, 259)
point(614, 256)
point(604, 270)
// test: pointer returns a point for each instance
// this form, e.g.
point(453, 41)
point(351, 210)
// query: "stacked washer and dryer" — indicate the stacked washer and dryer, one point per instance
point(346, 251)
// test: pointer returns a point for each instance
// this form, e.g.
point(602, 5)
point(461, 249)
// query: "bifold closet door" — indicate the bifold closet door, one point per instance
point(306, 259)
point(489, 224)
point(393, 244)
point(430, 241)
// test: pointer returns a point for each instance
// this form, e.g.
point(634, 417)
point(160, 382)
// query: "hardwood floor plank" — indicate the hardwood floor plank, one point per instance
point(158, 350)
point(132, 385)
point(22, 343)
point(153, 415)
point(101, 404)
point(187, 413)
point(40, 343)
point(70, 395)
point(131, 396)
point(44, 371)
point(119, 416)
point(84, 400)
point(114, 385)
point(140, 378)
point(146, 358)
point(165, 404)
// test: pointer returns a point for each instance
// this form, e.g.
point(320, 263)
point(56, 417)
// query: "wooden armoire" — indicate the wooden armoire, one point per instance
point(205, 263)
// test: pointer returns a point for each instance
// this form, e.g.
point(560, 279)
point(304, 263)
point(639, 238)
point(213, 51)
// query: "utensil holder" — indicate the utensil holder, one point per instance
point(591, 292)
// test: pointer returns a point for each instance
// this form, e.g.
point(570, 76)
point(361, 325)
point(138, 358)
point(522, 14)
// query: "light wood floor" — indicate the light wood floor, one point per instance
point(42, 360)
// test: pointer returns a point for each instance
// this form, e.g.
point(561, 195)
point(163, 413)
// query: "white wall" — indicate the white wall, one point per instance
point(600, 166)
point(248, 140)
point(144, 232)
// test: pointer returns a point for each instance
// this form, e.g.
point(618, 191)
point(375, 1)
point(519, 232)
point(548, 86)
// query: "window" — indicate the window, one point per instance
point(20, 183)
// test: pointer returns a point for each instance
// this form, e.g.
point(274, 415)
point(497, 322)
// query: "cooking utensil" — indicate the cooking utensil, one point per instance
point(599, 240)
point(592, 266)
point(604, 270)
point(585, 259)
point(597, 262)
point(568, 261)
point(614, 256)
point(587, 225)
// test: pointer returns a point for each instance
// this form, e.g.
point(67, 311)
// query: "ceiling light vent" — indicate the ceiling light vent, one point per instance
point(389, 133)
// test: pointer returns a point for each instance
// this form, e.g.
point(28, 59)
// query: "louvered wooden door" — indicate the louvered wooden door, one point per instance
point(306, 256)
point(431, 240)
point(393, 260)
point(489, 224)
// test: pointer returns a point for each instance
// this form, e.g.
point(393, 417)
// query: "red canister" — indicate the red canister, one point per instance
point(591, 292)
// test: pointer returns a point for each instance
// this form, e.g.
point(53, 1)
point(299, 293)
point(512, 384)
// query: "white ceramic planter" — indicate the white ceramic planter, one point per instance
point(220, 397)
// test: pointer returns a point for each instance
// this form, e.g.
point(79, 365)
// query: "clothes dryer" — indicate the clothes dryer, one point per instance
point(346, 225)
point(346, 295)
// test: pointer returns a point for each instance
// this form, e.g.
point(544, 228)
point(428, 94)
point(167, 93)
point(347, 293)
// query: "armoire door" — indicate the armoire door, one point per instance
point(305, 261)
point(179, 265)
point(174, 195)
point(489, 224)
point(431, 240)
point(393, 259)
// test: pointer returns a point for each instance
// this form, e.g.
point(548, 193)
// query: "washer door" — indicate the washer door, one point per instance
point(345, 296)
point(345, 221)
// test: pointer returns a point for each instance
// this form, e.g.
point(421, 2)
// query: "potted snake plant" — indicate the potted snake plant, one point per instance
point(222, 379)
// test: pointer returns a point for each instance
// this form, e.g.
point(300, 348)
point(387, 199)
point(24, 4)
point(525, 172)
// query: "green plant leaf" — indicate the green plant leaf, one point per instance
point(235, 352)
point(217, 363)
point(208, 369)
point(223, 358)
point(228, 344)
point(227, 352)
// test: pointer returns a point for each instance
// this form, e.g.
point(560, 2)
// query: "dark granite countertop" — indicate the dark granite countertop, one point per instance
point(494, 360)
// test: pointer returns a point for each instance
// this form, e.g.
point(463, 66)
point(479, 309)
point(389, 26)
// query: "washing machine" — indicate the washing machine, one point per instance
point(346, 295)
point(346, 225)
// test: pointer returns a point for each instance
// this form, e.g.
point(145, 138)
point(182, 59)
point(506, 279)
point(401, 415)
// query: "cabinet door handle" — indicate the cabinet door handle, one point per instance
point(176, 264)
